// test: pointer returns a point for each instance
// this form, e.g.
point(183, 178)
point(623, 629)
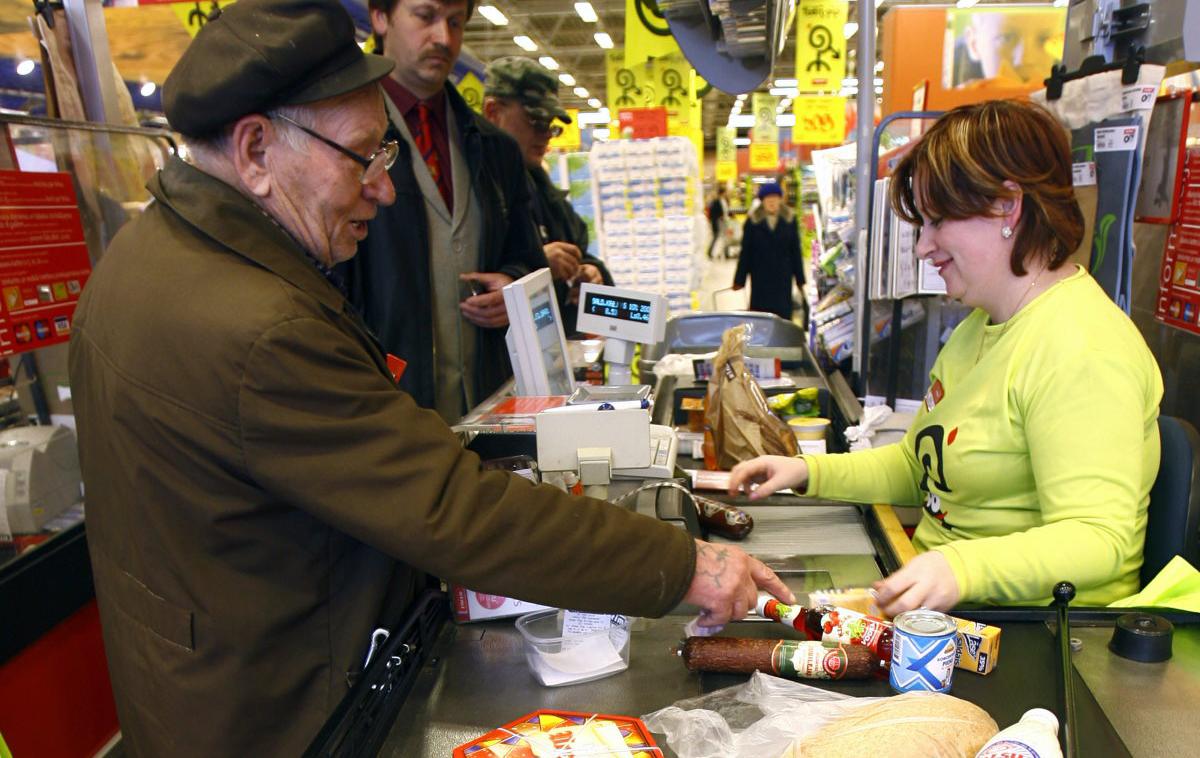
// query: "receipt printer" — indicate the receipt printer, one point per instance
point(39, 475)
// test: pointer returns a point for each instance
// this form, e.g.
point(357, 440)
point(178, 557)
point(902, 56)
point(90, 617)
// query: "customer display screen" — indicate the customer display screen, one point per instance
point(548, 337)
point(624, 308)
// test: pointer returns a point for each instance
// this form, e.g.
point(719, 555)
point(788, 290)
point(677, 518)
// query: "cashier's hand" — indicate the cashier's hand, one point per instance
point(771, 473)
point(727, 581)
point(926, 581)
point(486, 309)
point(563, 258)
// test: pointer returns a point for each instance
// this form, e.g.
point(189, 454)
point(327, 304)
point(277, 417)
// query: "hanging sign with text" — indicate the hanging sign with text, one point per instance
point(821, 45)
point(43, 259)
point(819, 120)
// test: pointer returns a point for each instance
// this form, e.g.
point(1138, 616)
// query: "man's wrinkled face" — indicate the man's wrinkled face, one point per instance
point(424, 37)
point(321, 198)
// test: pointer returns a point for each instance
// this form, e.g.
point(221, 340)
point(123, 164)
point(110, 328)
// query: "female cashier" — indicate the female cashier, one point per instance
point(1037, 444)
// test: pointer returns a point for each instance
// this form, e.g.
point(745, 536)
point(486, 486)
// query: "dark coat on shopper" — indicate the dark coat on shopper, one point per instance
point(391, 281)
point(771, 259)
point(557, 221)
point(260, 495)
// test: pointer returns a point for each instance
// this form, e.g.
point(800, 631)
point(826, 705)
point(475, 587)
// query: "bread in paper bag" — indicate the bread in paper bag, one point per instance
point(736, 411)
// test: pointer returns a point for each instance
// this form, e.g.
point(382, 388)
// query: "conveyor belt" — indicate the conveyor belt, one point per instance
point(811, 530)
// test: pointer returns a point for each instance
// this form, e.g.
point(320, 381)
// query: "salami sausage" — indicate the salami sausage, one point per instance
point(793, 659)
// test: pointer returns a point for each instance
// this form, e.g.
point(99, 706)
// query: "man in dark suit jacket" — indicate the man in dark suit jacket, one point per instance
point(428, 278)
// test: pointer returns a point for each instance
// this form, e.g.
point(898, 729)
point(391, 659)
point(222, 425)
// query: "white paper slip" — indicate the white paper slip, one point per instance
point(576, 624)
point(1114, 138)
point(1138, 97)
point(590, 658)
point(1083, 174)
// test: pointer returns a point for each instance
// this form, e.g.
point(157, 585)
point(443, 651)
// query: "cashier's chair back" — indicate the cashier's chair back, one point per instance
point(1173, 520)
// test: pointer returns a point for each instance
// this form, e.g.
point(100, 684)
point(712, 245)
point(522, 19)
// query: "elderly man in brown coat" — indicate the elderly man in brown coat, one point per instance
point(260, 494)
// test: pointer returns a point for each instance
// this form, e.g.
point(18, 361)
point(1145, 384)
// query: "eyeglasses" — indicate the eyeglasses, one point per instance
point(542, 126)
point(373, 165)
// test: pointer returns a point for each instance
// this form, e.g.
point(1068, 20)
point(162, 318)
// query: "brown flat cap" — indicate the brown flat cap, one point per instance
point(261, 54)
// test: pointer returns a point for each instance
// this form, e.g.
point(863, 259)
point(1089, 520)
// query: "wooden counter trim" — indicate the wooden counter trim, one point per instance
point(897, 540)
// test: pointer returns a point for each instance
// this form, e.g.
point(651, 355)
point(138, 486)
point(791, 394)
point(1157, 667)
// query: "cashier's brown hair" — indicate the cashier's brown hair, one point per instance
point(958, 168)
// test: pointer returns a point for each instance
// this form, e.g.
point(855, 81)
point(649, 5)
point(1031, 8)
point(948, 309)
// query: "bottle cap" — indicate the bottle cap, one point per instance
point(1144, 637)
point(1044, 717)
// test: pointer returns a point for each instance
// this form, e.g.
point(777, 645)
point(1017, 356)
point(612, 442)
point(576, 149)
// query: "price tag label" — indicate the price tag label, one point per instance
point(1083, 174)
point(1138, 97)
point(1114, 138)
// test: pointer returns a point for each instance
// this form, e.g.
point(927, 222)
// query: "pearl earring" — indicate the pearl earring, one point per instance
point(1006, 232)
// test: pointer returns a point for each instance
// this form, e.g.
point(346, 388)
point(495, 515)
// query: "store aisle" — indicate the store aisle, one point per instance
point(716, 280)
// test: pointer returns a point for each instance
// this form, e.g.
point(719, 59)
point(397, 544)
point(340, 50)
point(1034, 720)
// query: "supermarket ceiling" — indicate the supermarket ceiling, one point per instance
point(146, 41)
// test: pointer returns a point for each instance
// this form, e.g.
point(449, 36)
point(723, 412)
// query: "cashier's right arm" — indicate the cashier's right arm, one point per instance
point(727, 582)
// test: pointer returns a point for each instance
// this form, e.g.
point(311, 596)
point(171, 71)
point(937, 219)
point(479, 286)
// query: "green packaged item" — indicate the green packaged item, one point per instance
point(799, 403)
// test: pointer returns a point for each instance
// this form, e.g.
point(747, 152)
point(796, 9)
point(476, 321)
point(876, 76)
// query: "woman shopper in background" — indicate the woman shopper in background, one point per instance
point(770, 254)
point(1037, 444)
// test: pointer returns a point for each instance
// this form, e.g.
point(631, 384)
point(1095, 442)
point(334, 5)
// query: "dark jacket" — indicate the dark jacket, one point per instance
point(771, 258)
point(253, 475)
point(390, 280)
point(557, 221)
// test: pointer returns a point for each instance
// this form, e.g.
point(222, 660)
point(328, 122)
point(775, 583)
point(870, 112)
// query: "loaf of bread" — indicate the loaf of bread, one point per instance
point(912, 725)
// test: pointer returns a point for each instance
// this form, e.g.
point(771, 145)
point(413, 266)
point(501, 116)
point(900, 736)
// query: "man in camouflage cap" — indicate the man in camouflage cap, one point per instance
point(521, 97)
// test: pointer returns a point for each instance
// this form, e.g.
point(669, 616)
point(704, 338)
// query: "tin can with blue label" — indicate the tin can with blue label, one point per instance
point(924, 646)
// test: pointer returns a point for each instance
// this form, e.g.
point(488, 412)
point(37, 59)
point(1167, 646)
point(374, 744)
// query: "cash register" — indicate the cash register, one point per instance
point(598, 437)
point(39, 476)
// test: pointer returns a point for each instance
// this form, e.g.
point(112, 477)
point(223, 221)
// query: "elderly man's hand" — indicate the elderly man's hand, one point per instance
point(564, 260)
point(926, 581)
point(727, 581)
point(486, 309)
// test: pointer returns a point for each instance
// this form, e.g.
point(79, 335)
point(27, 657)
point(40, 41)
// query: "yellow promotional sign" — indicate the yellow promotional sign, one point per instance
point(647, 35)
point(195, 15)
point(821, 45)
point(726, 154)
point(764, 156)
point(628, 86)
point(764, 106)
point(819, 120)
point(471, 89)
point(569, 139)
point(726, 150)
point(674, 90)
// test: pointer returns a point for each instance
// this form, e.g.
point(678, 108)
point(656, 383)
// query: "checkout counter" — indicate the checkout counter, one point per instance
point(438, 685)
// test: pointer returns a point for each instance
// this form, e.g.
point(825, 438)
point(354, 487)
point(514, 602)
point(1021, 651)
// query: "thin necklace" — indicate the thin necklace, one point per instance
point(1020, 304)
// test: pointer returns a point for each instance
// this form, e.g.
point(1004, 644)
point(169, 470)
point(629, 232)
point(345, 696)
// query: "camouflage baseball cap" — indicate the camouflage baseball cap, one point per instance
point(529, 83)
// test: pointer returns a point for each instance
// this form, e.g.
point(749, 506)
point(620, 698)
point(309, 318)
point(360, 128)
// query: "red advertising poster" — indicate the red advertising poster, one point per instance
point(645, 122)
point(43, 260)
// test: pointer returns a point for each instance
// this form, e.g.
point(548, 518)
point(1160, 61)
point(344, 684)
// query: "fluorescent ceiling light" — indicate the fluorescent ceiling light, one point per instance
point(966, 3)
point(879, 66)
point(567, 79)
point(597, 117)
point(744, 121)
point(783, 91)
point(147, 89)
point(525, 43)
point(594, 102)
point(850, 81)
point(25, 67)
point(603, 40)
point(785, 119)
point(741, 141)
point(786, 83)
point(493, 14)
point(582, 93)
point(548, 62)
point(741, 97)
point(850, 29)
point(1060, 3)
point(586, 12)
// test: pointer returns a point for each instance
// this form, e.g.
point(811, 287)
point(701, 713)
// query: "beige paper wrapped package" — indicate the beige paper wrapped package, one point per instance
point(736, 411)
point(912, 725)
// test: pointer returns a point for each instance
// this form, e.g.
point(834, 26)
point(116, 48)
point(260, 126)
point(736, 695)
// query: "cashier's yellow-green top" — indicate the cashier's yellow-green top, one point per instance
point(1036, 463)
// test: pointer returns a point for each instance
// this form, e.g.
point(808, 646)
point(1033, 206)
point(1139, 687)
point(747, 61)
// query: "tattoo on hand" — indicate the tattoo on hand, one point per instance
point(716, 554)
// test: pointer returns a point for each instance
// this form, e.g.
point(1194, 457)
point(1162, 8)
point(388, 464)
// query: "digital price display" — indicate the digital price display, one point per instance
point(624, 308)
point(542, 315)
